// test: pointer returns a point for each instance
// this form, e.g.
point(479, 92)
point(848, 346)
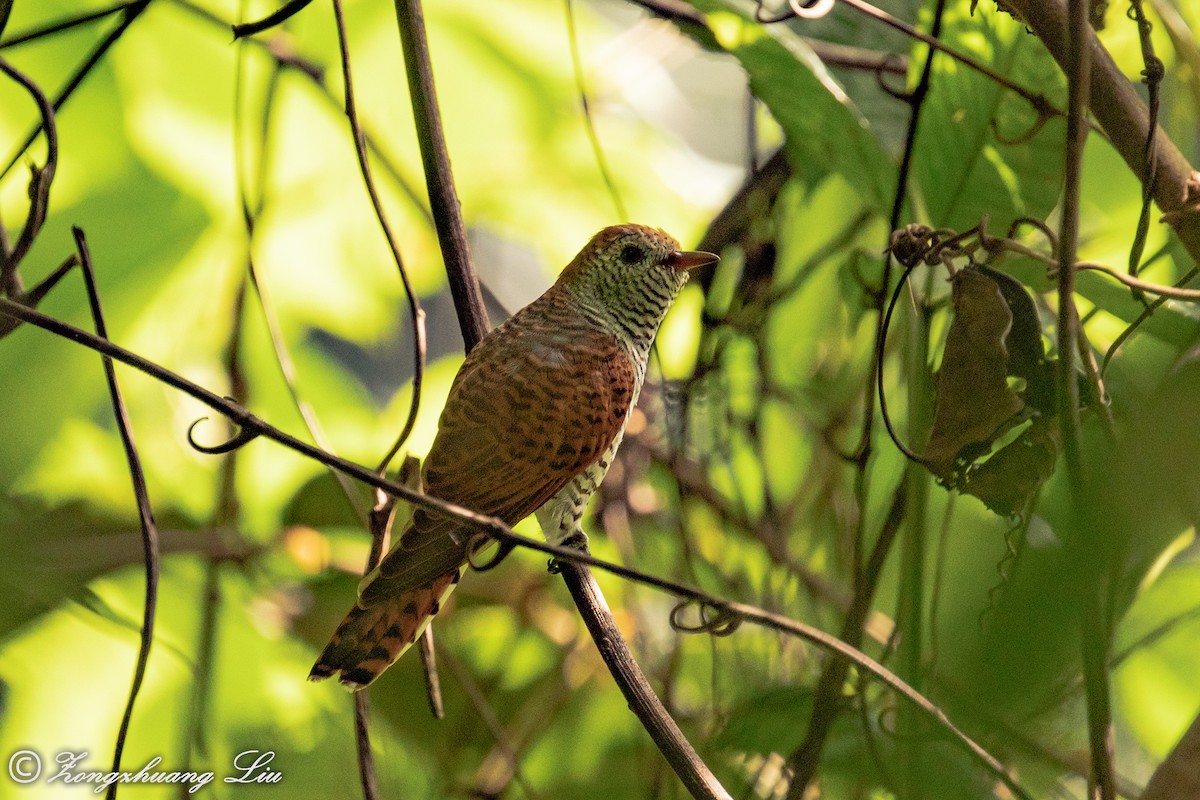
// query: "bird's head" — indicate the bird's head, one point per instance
point(625, 268)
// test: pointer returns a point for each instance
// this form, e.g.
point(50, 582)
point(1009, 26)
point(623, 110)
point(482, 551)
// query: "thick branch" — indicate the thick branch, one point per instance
point(642, 700)
point(1119, 109)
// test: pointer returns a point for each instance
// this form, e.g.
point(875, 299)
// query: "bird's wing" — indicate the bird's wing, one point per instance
point(527, 413)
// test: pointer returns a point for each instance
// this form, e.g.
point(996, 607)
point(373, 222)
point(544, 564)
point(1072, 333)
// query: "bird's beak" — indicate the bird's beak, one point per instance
point(686, 261)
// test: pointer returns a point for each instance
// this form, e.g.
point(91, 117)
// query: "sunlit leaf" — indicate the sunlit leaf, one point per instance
point(964, 164)
point(824, 131)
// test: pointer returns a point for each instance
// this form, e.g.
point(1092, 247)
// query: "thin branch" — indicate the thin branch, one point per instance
point(1096, 641)
point(1045, 110)
point(366, 761)
point(1147, 312)
point(433, 682)
point(65, 24)
point(35, 295)
point(39, 186)
point(640, 696)
point(1153, 73)
point(276, 17)
point(132, 12)
point(693, 22)
point(443, 200)
point(381, 527)
point(362, 746)
point(237, 414)
point(141, 495)
point(1166, 292)
point(857, 58)
point(416, 313)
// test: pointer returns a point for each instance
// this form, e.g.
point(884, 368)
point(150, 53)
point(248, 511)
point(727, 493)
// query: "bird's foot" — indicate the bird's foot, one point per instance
point(578, 541)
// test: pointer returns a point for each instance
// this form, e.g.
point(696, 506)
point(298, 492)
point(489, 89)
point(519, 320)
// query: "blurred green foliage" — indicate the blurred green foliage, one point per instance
point(737, 482)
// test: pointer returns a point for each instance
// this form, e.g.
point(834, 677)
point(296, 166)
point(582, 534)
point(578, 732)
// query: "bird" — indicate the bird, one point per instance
point(531, 425)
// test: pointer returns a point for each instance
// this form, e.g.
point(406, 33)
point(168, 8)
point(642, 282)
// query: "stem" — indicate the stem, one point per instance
point(132, 12)
point(1095, 630)
point(443, 200)
point(150, 551)
point(694, 773)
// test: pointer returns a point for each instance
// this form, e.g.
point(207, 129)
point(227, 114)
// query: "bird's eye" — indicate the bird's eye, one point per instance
point(631, 254)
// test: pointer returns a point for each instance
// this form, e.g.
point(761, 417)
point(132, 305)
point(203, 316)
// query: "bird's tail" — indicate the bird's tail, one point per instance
point(370, 639)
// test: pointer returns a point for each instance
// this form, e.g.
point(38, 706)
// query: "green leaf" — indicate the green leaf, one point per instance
point(825, 133)
point(962, 167)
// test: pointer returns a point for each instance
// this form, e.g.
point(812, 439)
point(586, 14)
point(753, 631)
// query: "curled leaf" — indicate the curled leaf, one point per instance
point(974, 404)
point(1026, 353)
point(1008, 480)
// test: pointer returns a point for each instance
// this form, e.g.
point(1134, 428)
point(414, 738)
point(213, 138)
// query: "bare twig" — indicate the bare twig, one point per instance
point(1153, 73)
point(39, 292)
point(365, 760)
point(433, 682)
point(141, 495)
point(1096, 639)
point(1166, 292)
point(416, 313)
point(132, 12)
point(64, 24)
point(691, 21)
point(276, 17)
point(39, 187)
point(694, 773)
point(1147, 312)
point(362, 742)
